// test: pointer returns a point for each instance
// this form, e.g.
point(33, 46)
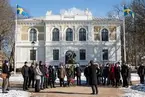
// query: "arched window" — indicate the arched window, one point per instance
point(82, 34)
point(33, 35)
point(55, 34)
point(105, 35)
point(69, 34)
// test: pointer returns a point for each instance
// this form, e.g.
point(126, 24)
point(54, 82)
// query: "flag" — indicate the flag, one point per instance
point(21, 11)
point(128, 11)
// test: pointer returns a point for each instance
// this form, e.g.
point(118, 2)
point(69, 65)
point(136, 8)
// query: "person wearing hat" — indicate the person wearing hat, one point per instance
point(25, 73)
point(5, 70)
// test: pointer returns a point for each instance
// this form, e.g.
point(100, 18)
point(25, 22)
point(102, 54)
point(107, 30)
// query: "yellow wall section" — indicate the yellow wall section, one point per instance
point(24, 32)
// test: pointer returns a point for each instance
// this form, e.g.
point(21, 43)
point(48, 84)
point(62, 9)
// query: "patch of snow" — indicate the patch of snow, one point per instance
point(134, 91)
point(139, 87)
point(15, 93)
point(134, 77)
point(15, 78)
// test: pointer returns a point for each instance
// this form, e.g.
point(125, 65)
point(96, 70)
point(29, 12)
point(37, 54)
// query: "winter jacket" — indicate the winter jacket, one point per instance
point(78, 71)
point(92, 71)
point(117, 72)
point(86, 72)
point(52, 74)
point(141, 70)
point(42, 69)
point(5, 70)
point(61, 73)
point(106, 72)
point(124, 71)
point(38, 73)
point(25, 71)
point(31, 71)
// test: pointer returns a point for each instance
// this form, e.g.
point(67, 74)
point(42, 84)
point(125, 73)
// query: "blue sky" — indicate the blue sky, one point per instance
point(38, 8)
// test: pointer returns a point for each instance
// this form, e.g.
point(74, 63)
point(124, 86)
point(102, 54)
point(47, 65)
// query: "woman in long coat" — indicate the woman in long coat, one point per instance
point(92, 71)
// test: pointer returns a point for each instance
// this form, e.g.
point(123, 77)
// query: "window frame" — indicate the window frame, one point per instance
point(84, 32)
point(104, 37)
point(32, 53)
point(103, 56)
point(57, 57)
point(80, 57)
point(31, 36)
point(67, 39)
point(58, 32)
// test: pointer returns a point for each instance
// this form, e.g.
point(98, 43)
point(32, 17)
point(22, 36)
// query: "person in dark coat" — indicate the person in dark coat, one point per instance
point(52, 76)
point(93, 77)
point(31, 75)
point(124, 73)
point(105, 73)
point(141, 71)
point(25, 74)
point(86, 75)
point(5, 70)
point(78, 74)
point(117, 74)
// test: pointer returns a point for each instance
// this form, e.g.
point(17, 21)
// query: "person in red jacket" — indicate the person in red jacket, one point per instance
point(112, 73)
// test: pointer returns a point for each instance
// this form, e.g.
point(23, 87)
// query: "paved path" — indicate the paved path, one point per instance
point(78, 92)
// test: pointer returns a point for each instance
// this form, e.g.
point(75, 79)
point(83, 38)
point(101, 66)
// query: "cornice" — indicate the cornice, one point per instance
point(92, 22)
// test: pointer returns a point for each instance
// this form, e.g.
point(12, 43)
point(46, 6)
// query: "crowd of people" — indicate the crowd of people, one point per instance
point(112, 74)
point(45, 76)
point(41, 76)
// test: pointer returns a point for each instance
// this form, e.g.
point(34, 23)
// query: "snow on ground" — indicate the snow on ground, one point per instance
point(134, 77)
point(134, 91)
point(14, 93)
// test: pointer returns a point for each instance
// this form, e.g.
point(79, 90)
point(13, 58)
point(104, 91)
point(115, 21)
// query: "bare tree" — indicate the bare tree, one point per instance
point(7, 25)
point(135, 30)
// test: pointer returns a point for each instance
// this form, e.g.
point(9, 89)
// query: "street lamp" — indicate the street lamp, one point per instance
point(33, 43)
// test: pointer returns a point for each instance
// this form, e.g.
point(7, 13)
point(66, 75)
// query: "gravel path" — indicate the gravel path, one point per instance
point(77, 92)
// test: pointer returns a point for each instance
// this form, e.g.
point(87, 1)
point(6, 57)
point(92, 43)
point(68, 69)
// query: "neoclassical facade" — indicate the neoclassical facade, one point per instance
point(49, 38)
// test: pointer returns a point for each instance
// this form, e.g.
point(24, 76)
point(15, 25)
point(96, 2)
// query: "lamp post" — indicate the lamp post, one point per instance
point(33, 43)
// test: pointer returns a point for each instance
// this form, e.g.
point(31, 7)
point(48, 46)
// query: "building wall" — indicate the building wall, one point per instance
point(44, 46)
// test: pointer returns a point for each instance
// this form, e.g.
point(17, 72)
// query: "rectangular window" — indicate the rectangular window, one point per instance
point(105, 54)
point(55, 54)
point(82, 54)
point(32, 54)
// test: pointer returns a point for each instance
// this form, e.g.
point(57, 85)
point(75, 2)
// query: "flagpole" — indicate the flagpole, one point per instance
point(124, 40)
point(16, 31)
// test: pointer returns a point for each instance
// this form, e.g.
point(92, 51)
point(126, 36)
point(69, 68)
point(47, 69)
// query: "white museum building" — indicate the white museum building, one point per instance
point(50, 38)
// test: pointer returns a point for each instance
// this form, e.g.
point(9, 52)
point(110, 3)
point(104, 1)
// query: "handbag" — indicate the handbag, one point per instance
point(3, 75)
